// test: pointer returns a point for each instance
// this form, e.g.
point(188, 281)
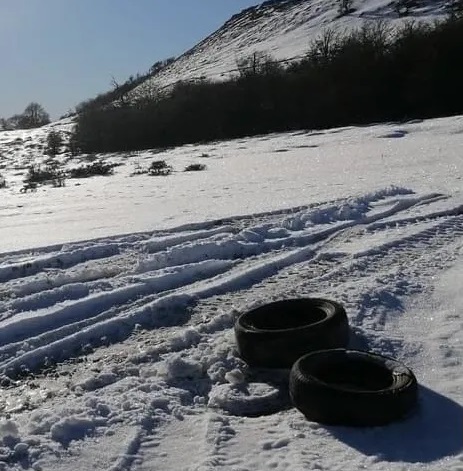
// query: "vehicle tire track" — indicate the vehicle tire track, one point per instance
point(312, 268)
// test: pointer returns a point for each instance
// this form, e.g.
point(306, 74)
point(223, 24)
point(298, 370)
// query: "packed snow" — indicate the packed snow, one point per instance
point(118, 297)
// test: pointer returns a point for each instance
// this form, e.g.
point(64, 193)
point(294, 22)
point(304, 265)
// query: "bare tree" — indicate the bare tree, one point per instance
point(121, 91)
point(325, 46)
point(34, 116)
point(257, 63)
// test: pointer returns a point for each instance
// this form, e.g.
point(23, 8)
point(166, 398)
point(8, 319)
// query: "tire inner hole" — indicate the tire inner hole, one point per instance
point(355, 374)
point(287, 317)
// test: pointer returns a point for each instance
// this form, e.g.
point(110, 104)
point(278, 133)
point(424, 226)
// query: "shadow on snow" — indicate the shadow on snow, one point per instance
point(434, 432)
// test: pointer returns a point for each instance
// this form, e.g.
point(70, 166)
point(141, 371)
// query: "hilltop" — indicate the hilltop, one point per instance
point(283, 29)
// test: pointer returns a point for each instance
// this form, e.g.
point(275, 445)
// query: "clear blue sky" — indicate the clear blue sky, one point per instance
point(60, 52)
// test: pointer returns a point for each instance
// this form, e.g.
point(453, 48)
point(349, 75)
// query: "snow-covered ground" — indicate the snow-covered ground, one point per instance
point(243, 176)
point(118, 352)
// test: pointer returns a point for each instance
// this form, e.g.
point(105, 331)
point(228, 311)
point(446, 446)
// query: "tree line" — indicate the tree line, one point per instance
point(33, 116)
point(372, 74)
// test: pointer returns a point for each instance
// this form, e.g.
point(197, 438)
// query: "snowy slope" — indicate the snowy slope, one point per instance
point(24, 147)
point(284, 29)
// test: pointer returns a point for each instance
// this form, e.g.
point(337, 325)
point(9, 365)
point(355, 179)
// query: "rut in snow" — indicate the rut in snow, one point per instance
point(106, 289)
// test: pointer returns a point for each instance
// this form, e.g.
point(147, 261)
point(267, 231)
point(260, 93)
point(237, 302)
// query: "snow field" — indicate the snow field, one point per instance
point(117, 351)
point(244, 176)
point(147, 368)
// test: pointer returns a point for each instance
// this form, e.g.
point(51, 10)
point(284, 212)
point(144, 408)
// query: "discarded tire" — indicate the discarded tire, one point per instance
point(350, 387)
point(277, 334)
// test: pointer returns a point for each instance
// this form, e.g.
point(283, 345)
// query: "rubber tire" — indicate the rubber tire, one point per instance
point(277, 334)
point(351, 387)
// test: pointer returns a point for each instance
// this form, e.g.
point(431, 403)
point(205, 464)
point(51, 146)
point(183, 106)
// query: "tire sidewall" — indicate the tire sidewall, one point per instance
point(280, 348)
point(332, 404)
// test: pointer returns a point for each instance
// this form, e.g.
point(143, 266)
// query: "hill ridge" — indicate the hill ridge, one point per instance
point(281, 28)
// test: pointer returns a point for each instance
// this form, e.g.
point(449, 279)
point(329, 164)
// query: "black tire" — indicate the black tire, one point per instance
point(277, 334)
point(350, 387)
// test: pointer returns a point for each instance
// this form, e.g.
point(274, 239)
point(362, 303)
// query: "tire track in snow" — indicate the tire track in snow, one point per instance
point(24, 263)
point(33, 272)
point(305, 230)
point(324, 272)
point(69, 319)
point(50, 279)
point(156, 243)
point(62, 260)
point(56, 265)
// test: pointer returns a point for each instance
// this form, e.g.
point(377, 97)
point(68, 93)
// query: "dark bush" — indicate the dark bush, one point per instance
point(50, 174)
point(2, 181)
point(38, 174)
point(159, 168)
point(195, 167)
point(91, 170)
point(54, 143)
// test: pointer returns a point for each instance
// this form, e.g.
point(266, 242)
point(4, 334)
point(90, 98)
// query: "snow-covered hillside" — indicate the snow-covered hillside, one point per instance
point(24, 147)
point(118, 353)
point(282, 28)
